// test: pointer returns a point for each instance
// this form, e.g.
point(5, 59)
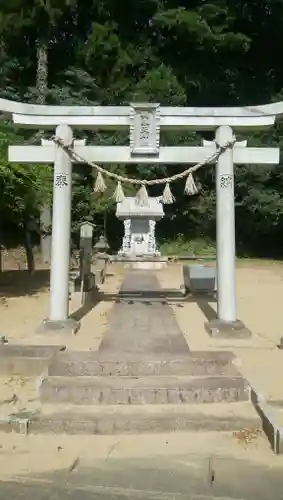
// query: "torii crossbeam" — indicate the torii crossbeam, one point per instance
point(144, 122)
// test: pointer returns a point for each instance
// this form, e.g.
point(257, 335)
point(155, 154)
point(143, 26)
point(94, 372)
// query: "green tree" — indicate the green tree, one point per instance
point(214, 52)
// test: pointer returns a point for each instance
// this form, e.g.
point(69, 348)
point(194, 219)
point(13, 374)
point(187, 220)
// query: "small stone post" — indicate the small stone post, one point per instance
point(101, 259)
point(86, 232)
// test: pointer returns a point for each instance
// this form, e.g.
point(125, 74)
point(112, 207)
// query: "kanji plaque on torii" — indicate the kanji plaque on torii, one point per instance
point(145, 129)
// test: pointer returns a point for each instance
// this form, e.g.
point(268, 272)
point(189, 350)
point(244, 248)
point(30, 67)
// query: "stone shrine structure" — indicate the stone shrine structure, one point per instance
point(139, 226)
point(143, 122)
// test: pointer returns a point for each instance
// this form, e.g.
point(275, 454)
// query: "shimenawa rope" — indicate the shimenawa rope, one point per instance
point(142, 194)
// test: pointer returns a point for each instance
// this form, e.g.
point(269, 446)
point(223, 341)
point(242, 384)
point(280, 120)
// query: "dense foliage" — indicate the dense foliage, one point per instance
point(193, 52)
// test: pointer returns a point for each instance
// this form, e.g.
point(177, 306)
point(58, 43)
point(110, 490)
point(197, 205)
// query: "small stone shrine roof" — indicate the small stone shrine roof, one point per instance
point(130, 208)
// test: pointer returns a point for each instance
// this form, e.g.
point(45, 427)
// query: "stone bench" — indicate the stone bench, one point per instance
point(199, 278)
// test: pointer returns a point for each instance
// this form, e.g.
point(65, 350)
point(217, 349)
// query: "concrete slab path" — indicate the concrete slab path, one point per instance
point(142, 328)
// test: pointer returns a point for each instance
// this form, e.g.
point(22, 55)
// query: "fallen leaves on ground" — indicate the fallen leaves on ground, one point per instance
point(245, 436)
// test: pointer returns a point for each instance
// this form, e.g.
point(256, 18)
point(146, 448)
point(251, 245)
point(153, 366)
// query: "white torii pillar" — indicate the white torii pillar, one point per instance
point(61, 230)
point(226, 324)
point(58, 318)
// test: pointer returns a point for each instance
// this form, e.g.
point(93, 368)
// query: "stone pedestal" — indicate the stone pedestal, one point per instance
point(149, 265)
point(199, 278)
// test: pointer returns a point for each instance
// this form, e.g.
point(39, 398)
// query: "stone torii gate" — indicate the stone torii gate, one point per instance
point(143, 122)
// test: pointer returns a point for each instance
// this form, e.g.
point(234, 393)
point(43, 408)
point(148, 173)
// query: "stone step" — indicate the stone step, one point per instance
point(195, 364)
point(271, 415)
point(70, 419)
point(142, 390)
point(28, 351)
point(23, 366)
point(25, 360)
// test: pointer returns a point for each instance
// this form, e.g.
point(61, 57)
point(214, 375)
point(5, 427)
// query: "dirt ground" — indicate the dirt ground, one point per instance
point(24, 304)
point(259, 306)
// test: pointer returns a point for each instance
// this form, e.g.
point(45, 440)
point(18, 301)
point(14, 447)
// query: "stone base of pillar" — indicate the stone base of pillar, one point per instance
point(225, 329)
point(69, 327)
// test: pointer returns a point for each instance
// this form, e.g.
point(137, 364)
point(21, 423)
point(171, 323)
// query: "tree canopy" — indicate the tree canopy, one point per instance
point(175, 52)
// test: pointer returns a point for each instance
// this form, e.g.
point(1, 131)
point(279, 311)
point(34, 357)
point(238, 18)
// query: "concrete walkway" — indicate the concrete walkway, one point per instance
point(178, 478)
point(142, 328)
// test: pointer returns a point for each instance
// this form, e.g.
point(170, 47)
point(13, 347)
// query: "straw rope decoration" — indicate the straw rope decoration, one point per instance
point(142, 194)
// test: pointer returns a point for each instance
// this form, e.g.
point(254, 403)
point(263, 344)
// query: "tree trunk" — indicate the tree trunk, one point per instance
point(42, 89)
point(1, 250)
point(28, 246)
point(105, 224)
point(42, 71)
point(45, 233)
